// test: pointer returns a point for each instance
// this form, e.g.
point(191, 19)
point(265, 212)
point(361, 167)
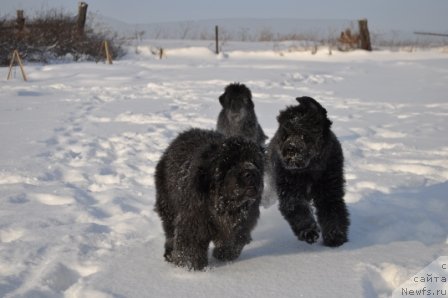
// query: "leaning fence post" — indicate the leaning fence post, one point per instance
point(108, 55)
point(105, 51)
point(364, 35)
point(82, 13)
point(216, 40)
point(16, 58)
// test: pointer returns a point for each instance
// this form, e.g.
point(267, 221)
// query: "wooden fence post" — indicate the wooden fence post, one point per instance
point(20, 20)
point(108, 54)
point(216, 40)
point(105, 51)
point(364, 35)
point(82, 15)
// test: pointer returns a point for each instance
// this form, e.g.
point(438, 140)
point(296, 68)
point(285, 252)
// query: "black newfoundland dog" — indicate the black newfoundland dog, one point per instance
point(237, 117)
point(305, 164)
point(208, 188)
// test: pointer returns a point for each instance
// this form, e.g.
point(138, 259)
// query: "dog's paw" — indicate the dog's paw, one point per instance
point(226, 253)
point(334, 237)
point(309, 234)
point(168, 250)
point(191, 262)
point(168, 256)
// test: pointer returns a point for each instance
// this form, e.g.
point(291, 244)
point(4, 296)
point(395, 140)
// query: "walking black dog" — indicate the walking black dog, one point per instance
point(237, 117)
point(305, 164)
point(208, 188)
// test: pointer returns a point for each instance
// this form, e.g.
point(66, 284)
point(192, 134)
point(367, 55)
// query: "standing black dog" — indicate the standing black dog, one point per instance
point(305, 164)
point(237, 117)
point(208, 189)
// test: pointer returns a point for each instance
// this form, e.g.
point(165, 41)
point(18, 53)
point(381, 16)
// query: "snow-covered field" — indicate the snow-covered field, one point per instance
point(79, 143)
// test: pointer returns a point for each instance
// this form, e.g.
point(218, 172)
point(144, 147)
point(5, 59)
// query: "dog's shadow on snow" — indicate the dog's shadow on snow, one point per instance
point(408, 214)
point(273, 237)
point(405, 214)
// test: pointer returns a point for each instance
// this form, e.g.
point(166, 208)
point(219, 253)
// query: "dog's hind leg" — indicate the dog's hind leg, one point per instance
point(230, 249)
point(226, 251)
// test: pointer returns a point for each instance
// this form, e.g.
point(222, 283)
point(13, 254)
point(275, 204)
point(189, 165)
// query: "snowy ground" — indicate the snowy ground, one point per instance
point(80, 142)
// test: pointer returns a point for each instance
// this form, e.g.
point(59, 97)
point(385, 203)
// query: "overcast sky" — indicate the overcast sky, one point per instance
point(395, 14)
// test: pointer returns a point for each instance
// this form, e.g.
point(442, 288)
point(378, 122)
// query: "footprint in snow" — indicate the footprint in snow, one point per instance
point(53, 200)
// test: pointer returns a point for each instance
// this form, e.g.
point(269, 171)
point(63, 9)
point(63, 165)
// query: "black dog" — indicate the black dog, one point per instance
point(305, 164)
point(237, 117)
point(208, 189)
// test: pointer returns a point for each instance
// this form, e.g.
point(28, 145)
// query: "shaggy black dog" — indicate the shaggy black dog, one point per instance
point(208, 189)
point(305, 163)
point(237, 117)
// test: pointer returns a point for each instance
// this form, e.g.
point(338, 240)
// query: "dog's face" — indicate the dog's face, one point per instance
point(299, 146)
point(232, 176)
point(241, 187)
point(236, 101)
point(302, 133)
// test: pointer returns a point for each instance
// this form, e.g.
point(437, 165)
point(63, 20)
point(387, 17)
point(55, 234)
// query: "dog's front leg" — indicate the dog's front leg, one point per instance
point(190, 244)
point(298, 214)
point(332, 212)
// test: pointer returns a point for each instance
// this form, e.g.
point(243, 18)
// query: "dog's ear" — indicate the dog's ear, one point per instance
point(223, 100)
point(202, 180)
point(203, 176)
point(249, 96)
point(250, 103)
point(281, 117)
point(311, 103)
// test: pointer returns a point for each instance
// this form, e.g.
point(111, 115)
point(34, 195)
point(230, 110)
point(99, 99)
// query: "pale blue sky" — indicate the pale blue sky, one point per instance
point(395, 14)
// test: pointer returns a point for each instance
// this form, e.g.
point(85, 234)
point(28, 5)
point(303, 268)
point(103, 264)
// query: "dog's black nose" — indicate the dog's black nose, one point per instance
point(292, 149)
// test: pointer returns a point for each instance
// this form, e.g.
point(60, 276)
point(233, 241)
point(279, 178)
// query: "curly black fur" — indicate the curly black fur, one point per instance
point(208, 188)
point(237, 117)
point(305, 163)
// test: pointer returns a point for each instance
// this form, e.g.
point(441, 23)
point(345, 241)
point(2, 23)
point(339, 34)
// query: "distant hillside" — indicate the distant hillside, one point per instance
point(235, 29)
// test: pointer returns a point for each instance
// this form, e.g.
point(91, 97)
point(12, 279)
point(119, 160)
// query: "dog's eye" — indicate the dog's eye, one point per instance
point(246, 174)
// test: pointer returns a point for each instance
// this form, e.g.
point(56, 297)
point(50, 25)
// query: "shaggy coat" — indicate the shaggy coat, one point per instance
point(208, 188)
point(305, 164)
point(237, 117)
